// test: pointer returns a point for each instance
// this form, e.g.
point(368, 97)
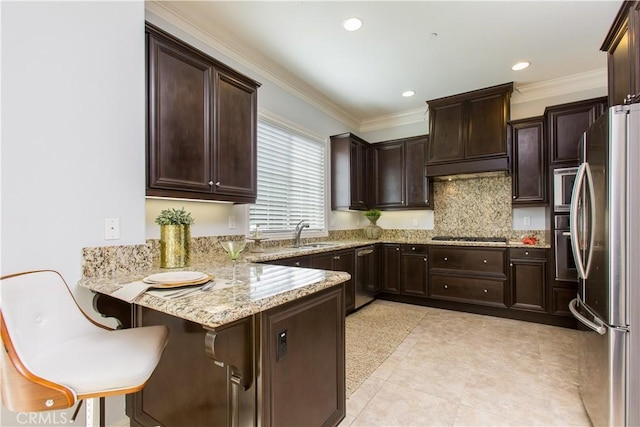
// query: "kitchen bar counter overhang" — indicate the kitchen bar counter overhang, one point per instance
point(265, 286)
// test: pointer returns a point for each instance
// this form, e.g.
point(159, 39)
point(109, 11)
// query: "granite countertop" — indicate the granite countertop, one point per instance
point(265, 286)
point(276, 253)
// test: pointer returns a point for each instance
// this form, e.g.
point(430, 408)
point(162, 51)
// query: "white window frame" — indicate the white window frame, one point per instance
point(284, 124)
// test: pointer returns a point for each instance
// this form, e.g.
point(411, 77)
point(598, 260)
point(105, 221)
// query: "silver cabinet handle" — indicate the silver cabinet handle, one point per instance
point(218, 184)
point(425, 260)
point(397, 249)
point(526, 253)
point(485, 291)
point(413, 249)
point(484, 261)
point(446, 259)
point(210, 182)
point(446, 286)
point(297, 263)
point(510, 264)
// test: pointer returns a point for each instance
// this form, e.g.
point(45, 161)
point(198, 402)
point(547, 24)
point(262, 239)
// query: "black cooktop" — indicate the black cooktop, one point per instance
point(471, 239)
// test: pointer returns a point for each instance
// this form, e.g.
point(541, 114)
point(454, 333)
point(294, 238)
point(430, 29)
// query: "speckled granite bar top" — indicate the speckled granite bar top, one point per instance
point(264, 287)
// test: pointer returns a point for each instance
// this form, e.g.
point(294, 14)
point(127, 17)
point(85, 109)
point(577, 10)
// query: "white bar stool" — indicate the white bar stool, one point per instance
point(55, 355)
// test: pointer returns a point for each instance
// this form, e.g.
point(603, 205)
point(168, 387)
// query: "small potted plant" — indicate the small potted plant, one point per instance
point(175, 237)
point(372, 230)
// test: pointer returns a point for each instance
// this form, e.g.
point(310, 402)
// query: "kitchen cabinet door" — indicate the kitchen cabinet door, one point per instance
point(414, 270)
point(419, 189)
point(202, 124)
point(528, 273)
point(565, 125)
point(391, 264)
point(340, 261)
point(235, 148)
point(389, 172)
point(529, 175)
point(623, 61)
point(447, 132)
point(349, 172)
point(179, 117)
point(487, 126)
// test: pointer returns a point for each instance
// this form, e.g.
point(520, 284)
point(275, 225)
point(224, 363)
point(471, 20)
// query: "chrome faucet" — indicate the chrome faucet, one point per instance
point(299, 227)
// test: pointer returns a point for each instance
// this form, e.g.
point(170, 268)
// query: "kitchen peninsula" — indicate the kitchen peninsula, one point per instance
point(266, 352)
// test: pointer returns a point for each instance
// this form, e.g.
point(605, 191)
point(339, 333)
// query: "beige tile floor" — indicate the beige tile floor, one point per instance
point(461, 369)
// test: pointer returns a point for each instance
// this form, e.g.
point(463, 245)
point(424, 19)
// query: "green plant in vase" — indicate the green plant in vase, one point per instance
point(175, 237)
point(372, 230)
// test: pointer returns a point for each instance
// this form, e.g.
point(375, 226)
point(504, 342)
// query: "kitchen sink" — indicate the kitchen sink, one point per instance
point(315, 246)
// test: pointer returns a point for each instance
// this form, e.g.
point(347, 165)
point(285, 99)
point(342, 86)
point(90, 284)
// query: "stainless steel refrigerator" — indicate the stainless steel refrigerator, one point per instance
point(605, 237)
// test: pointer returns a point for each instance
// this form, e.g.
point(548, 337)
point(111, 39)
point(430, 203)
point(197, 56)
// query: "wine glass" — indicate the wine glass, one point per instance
point(233, 248)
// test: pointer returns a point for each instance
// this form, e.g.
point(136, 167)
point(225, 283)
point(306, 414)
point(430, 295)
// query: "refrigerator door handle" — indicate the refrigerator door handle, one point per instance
point(592, 217)
point(573, 217)
point(596, 326)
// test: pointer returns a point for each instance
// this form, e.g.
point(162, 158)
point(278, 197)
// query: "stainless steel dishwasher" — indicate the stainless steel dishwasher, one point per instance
point(365, 275)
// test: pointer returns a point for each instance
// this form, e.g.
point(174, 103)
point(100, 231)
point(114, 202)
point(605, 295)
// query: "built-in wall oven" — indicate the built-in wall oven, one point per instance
point(565, 265)
point(563, 179)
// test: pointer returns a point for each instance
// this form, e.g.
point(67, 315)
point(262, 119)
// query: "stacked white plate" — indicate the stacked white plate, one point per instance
point(174, 279)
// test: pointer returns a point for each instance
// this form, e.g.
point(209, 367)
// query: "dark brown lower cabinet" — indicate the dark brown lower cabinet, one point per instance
point(390, 278)
point(560, 298)
point(414, 270)
point(527, 274)
point(305, 386)
point(340, 261)
point(282, 367)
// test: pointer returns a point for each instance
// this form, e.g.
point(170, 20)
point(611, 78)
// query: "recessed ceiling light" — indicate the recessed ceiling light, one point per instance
point(408, 93)
point(352, 24)
point(520, 65)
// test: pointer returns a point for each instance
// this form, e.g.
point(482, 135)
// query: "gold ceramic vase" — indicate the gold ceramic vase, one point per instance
point(175, 246)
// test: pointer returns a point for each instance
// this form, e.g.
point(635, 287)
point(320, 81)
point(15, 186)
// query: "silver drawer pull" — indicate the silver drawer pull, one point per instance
point(297, 263)
point(446, 286)
point(425, 260)
point(526, 253)
point(446, 259)
point(413, 249)
point(484, 260)
point(485, 291)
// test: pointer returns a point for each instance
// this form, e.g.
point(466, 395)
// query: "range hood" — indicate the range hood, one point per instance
point(470, 176)
point(497, 165)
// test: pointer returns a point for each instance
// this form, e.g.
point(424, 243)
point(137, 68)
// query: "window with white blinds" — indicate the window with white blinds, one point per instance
point(291, 180)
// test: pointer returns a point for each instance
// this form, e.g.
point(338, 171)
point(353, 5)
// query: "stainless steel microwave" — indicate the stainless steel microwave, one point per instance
point(563, 179)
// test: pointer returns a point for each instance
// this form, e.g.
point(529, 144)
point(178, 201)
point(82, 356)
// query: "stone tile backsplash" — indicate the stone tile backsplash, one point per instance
point(473, 207)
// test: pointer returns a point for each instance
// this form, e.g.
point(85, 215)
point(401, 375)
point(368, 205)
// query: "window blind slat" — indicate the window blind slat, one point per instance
point(291, 183)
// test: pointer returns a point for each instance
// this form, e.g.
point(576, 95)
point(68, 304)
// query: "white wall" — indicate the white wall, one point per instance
point(73, 112)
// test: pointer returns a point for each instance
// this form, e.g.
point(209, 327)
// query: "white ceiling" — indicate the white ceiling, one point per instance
point(362, 74)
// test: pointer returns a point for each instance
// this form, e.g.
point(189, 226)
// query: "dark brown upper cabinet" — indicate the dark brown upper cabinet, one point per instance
point(202, 124)
point(389, 171)
point(349, 172)
point(468, 132)
point(623, 60)
point(565, 125)
point(399, 171)
point(529, 173)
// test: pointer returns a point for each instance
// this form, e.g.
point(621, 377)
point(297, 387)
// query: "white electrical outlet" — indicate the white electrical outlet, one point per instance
point(526, 220)
point(232, 222)
point(111, 228)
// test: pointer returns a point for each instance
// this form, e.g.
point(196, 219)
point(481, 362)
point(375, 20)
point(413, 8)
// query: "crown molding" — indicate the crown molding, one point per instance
point(254, 61)
point(596, 79)
point(392, 120)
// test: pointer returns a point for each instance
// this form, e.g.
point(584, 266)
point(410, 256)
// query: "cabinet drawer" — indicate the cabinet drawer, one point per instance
point(467, 289)
point(487, 260)
point(526, 253)
point(414, 249)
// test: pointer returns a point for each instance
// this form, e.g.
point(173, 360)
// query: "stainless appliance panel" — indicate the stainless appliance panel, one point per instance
point(563, 179)
point(365, 276)
point(605, 238)
point(602, 367)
